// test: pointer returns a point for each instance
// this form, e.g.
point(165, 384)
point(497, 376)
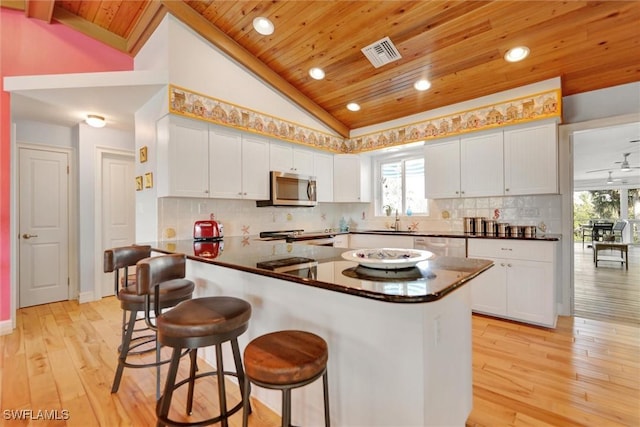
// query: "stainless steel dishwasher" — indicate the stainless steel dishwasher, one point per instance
point(443, 246)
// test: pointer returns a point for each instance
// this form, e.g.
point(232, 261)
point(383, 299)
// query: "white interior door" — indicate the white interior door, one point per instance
point(118, 207)
point(44, 226)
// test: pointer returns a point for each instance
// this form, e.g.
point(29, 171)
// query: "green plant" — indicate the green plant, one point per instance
point(387, 209)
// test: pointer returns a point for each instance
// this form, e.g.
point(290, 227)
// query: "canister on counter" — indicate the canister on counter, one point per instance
point(490, 227)
point(529, 231)
point(516, 231)
point(469, 223)
point(502, 229)
point(479, 226)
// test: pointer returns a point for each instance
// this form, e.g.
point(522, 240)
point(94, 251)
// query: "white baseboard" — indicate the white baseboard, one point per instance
point(86, 297)
point(6, 327)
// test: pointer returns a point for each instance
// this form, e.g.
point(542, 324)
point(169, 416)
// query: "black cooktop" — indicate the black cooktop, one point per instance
point(277, 264)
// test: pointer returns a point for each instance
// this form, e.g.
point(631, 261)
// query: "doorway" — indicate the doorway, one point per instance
point(600, 192)
point(43, 224)
point(116, 207)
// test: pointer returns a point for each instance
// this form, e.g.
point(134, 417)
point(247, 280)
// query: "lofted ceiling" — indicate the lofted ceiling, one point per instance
point(457, 45)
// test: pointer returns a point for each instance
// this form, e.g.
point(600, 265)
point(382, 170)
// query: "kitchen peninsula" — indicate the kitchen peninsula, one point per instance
point(399, 341)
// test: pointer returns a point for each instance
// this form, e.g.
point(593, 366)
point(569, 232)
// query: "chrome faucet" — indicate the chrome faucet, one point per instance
point(396, 223)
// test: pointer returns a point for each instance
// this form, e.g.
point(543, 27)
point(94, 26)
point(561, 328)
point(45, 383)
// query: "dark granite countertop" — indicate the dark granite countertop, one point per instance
point(456, 234)
point(323, 267)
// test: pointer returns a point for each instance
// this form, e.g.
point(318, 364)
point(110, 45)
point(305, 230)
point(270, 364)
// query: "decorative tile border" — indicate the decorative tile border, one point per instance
point(194, 105)
point(521, 110)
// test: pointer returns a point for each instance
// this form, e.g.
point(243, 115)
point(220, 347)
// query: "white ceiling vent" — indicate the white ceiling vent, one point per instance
point(381, 52)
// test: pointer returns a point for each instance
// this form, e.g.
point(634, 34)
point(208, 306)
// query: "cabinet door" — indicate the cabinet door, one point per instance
point(442, 170)
point(481, 165)
point(303, 161)
point(531, 160)
point(351, 178)
point(280, 157)
point(531, 292)
point(225, 171)
point(489, 289)
point(287, 158)
point(187, 158)
point(255, 168)
point(324, 176)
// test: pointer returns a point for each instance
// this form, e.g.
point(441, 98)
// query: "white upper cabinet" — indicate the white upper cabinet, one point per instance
point(287, 158)
point(442, 169)
point(512, 162)
point(255, 168)
point(323, 163)
point(351, 178)
point(239, 167)
point(531, 160)
point(225, 161)
point(183, 157)
point(481, 163)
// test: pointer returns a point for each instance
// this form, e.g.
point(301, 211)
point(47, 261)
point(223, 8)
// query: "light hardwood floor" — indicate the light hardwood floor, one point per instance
point(609, 292)
point(585, 373)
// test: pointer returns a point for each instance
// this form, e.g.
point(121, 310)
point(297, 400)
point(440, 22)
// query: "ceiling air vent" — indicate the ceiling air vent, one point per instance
point(381, 52)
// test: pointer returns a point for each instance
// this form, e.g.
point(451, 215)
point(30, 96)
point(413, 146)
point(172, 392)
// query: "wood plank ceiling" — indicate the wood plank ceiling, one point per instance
point(457, 45)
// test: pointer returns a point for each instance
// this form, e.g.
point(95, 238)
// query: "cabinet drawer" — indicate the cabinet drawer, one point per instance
point(512, 249)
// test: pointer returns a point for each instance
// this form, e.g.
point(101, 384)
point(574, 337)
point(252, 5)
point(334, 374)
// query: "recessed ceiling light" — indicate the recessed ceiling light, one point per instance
point(263, 25)
point(95, 121)
point(317, 73)
point(516, 54)
point(422, 84)
point(352, 106)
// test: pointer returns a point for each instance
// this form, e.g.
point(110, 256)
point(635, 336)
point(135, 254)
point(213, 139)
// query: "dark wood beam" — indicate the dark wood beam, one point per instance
point(214, 35)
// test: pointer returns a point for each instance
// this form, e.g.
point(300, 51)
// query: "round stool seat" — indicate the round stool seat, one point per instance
point(285, 357)
point(171, 290)
point(203, 318)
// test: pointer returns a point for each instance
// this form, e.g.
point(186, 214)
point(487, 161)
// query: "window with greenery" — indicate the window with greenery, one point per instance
point(402, 185)
point(603, 204)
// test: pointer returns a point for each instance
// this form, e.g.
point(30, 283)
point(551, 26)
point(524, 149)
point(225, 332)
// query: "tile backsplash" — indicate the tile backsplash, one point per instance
point(241, 217)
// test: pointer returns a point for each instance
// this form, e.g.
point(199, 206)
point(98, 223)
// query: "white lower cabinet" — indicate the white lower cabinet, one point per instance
point(341, 241)
point(522, 283)
point(371, 241)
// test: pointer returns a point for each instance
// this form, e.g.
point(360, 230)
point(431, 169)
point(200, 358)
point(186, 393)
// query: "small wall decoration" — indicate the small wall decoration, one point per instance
point(148, 180)
point(143, 154)
point(139, 186)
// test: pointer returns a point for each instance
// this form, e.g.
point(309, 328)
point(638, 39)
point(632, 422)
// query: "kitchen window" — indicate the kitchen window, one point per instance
point(401, 184)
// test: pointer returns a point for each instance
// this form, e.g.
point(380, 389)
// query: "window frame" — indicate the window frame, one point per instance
point(392, 157)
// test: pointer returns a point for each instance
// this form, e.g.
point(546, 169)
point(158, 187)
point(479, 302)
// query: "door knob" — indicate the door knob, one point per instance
point(28, 236)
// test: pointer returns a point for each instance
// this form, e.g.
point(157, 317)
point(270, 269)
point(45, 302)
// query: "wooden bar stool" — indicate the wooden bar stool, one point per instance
point(285, 360)
point(174, 290)
point(195, 323)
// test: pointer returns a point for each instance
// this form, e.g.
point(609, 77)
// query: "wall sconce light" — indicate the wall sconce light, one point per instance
point(95, 121)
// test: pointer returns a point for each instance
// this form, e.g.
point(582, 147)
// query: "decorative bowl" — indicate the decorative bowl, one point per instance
point(387, 258)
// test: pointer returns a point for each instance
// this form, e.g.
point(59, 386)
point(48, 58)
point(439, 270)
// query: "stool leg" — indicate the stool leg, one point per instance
point(221, 389)
point(158, 349)
point(286, 407)
point(192, 375)
point(239, 369)
point(246, 404)
point(325, 386)
point(124, 350)
point(165, 399)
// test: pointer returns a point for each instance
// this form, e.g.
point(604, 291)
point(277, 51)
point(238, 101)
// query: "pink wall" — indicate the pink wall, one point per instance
point(33, 47)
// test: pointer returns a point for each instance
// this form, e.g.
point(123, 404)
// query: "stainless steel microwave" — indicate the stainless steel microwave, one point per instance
point(289, 189)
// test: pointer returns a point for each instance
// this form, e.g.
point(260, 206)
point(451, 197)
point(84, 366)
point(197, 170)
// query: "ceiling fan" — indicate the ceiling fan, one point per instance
point(611, 179)
point(624, 165)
